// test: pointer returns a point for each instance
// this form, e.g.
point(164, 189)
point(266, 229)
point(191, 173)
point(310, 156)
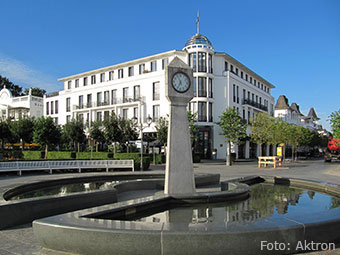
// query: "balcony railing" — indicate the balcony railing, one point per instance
point(202, 118)
point(255, 104)
point(125, 100)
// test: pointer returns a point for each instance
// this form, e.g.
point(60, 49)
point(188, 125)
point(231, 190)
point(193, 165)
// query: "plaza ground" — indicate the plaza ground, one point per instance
point(20, 240)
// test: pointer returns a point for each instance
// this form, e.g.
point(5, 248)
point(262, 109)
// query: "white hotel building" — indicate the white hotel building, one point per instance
point(137, 89)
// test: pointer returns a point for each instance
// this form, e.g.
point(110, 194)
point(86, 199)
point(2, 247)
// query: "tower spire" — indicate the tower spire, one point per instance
point(198, 22)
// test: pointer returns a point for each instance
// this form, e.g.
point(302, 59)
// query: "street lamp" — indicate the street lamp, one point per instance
point(141, 127)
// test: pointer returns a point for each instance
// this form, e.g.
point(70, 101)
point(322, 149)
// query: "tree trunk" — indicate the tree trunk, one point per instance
point(228, 159)
point(78, 147)
point(96, 146)
point(274, 151)
point(293, 153)
point(46, 150)
point(22, 145)
point(260, 149)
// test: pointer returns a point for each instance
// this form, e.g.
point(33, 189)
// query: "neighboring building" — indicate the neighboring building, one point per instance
point(292, 114)
point(19, 107)
point(137, 89)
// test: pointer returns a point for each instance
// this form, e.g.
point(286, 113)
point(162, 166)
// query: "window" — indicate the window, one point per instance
point(111, 73)
point(262, 86)
point(254, 82)
point(202, 62)
point(195, 87)
point(76, 83)
point(68, 118)
point(238, 99)
point(210, 88)
point(155, 91)
point(248, 95)
point(47, 108)
point(260, 100)
point(125, 114)
point(125, 95)
point(165, 61)
point(202, 87)
point(257, 99)
point(210, 112)
point(241, 74)
point(52, 107)
point(155, 113)
point(244, 114)
point(232, 68)
point(250, 79)
point(93, 79)
point(236, 71)
point(192, 61)
point(81, 102)
point(244, 95)
point(131, 71)
point(258, 84)
point(56, 120)
point(85, 81)
point(153, 66)
point(252, 97)
point(56, 107)
point(234, 94)
point(226, 66)
point(202, 111)
point(136, 92)
point(68, 104)
point(141, 68)
point(113, 96)
point(106, 115)
point(81, 117)
point(106, 97)
point(246, 77)
point(99, 116)
point(120, 74)
point(102, 77)
point(69, 84)
point(99, 99)
point(210, 69)
point(135, 112)
point(89, 100)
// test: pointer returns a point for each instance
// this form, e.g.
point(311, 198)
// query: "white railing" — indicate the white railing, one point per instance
point(20, 166)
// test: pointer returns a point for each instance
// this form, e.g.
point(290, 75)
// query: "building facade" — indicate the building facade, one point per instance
point(19, 107)
point(137, 89)
point(292, 115)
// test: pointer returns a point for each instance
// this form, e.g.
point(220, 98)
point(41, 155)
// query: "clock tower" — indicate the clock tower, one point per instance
point(179, 175)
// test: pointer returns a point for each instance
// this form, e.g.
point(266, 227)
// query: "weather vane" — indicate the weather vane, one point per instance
point(198, 22)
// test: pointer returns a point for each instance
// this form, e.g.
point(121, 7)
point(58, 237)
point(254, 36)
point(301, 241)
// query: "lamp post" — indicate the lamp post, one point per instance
point(141, 127)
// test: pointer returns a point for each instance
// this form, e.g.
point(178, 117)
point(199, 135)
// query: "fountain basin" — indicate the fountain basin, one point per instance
point(121, 228)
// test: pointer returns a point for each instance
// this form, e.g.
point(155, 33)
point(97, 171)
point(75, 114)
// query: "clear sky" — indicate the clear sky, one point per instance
point(294, 44)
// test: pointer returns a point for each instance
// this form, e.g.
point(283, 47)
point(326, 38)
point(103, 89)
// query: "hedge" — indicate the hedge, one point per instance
point(96, 155)
point(136, 157)
point(159, 158)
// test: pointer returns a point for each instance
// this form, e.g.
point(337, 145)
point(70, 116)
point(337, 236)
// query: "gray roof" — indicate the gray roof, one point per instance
point(198, 39)
point(282, 103)
point(312, 114)
point(295, 107)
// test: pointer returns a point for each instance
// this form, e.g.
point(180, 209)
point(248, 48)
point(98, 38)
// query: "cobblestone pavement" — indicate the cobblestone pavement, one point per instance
point(20, 240)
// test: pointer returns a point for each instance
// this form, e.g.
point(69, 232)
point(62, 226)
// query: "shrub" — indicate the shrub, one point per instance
point(196, 158)
point(32, 155)
point(95, 155)
point(159, 158)
point(136, 157)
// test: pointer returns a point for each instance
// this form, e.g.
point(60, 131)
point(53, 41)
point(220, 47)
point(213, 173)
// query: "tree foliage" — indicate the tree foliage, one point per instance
point(15, 89)
point(261, 127)
point(23, 129)
point(46, 133)
point(334, 119)
point(192, 118)
point(5, 132)
point(38, 92)
point(96, 132)
point(74, 132)
point(233, 129)
point(162, 126)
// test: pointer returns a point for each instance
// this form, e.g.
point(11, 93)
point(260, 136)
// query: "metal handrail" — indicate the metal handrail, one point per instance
point(65, 164)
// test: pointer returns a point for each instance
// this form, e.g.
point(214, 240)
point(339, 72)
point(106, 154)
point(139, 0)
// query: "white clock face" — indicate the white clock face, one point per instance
point(180, 82)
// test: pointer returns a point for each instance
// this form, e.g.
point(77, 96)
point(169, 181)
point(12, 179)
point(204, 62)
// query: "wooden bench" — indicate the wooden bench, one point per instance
point(270, 160)
point(20, 166)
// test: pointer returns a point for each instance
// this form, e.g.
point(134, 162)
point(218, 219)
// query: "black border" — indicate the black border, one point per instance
point(172, 84)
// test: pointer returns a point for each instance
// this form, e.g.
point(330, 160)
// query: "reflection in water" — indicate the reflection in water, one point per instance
point(62, 190)
point(266, 201)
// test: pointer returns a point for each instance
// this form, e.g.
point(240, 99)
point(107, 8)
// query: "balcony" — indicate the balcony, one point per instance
point(256, 105)
point(125, 100)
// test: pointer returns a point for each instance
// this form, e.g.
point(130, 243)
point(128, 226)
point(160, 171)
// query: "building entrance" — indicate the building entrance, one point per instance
point(203, 144)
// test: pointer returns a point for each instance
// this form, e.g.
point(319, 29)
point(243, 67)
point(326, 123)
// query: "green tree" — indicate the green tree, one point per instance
point(5, 132)
point(15, 89)
point(334, 119)
point(192, 118)
point(96, 132)
point(261, 130)
point(112, 131)
point(23, 129)
point(128, 131)
point(162, 126)
point(233, 128)
point(276, 132)
point(38, 92)
point(74, 132)
point(46, 133)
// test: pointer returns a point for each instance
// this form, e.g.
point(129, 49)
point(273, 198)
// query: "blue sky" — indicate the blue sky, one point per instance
point(294, 44)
